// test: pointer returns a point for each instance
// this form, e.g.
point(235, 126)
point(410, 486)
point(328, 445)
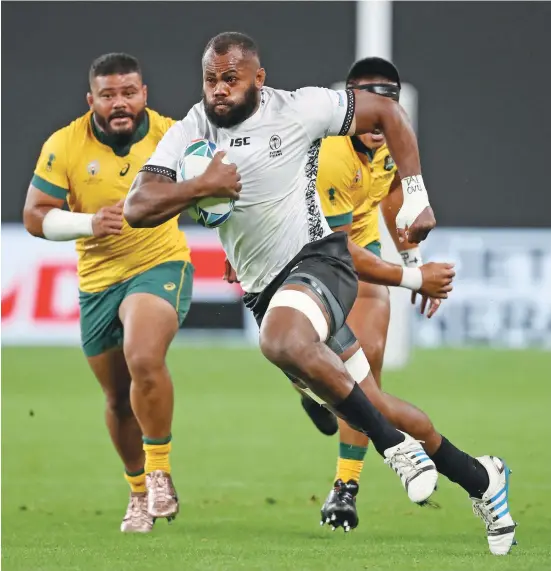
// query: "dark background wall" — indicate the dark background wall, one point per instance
point(46, 52)
point(484, 79)
point(481, 70)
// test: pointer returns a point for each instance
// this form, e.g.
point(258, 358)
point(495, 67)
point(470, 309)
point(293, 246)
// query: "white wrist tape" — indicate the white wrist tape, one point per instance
point(412, 258)
point(59, 225)
point(412, 278)
point(416, 200)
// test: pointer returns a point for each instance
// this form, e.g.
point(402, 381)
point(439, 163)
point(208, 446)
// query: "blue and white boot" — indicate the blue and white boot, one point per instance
point(493, 508)
point(416, 470)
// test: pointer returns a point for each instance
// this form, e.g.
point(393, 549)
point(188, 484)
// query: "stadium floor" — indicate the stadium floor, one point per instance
point(252, 472)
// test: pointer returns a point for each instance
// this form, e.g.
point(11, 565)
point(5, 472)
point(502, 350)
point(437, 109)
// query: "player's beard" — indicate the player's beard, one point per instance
point(237, 113)
point(120, 138)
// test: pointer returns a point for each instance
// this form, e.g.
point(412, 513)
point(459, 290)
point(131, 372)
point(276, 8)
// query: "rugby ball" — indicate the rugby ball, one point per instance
point(210, 212)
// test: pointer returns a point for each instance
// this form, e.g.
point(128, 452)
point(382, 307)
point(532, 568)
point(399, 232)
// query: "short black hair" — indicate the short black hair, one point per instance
point(371, 66)
point(222, 43)
point(114, 64)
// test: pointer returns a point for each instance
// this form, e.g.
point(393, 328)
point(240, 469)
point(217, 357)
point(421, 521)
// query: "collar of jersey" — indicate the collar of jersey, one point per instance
point(359, 147)
point(121, 151)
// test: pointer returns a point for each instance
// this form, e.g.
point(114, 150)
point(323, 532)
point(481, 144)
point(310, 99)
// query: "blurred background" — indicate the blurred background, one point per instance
point(251, 469)
point(477, 90)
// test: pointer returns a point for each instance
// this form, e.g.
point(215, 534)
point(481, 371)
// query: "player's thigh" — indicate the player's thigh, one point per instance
point(111, 371)
point(155, 305)
point(369, 320)
point(333, 286)
point(100, 326)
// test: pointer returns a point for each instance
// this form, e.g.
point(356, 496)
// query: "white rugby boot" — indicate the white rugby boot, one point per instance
point(416, 470)
point(493, 508)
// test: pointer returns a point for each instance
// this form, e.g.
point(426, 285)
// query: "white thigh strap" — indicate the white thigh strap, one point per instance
point(358, 366)
point(306, 305)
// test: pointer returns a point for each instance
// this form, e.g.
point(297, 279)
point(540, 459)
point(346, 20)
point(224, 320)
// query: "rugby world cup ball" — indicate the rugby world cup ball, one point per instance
point(210, 212)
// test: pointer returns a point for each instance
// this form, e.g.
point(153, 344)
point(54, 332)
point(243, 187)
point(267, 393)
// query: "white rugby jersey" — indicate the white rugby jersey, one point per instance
point(276, 154)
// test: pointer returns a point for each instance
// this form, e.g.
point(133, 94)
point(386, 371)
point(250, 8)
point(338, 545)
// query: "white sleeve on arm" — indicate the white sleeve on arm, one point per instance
point(324, 112)
point(164, 160)
point(60, 226)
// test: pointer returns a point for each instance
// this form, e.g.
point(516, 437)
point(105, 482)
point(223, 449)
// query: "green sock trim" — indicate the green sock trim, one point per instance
point(134, 474)
point(157, 441)
point(351, 452)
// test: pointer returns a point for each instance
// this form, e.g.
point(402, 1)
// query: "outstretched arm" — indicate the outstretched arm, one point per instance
point(415, 219)
point(433, 279)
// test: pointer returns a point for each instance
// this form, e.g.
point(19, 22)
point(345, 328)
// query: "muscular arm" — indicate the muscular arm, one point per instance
point(376, 112)
point(373, 269)
point(37, 205)
point(153, 199)
point(415, 219)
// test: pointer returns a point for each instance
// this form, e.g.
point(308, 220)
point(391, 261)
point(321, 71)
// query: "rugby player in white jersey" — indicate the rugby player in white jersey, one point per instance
point(300, 278)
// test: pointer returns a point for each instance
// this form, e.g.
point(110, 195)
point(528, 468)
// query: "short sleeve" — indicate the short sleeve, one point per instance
point(324, 112)
point(335, 182)
point(382, 174)
point(167, 123)
point(383, 161)
point(50, 174)
point(164, 160)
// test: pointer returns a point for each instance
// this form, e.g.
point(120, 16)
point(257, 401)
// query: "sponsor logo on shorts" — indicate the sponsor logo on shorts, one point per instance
point(170, 286)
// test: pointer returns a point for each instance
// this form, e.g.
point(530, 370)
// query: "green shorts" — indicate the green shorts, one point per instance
point(100, 326)
point(374, 247)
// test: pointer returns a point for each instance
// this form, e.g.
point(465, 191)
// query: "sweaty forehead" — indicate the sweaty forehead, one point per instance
point(233, 59)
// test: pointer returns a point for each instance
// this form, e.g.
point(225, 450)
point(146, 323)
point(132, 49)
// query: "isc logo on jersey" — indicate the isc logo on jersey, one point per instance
point(209, 212)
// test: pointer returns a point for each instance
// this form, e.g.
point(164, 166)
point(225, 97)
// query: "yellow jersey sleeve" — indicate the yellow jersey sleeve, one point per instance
point(166, 123)
point(50, 174)
point(159, 124)
point(382, 175)
point(336, 177)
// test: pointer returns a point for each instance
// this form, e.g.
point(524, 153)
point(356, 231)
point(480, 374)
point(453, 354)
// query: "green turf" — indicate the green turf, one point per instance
point(251, 470)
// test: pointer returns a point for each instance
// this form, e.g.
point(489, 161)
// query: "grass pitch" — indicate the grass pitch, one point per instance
point(252, 471)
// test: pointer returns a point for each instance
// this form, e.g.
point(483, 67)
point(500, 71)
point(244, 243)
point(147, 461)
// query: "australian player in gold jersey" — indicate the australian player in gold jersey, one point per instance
point(355, 175)
point(135, 284)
